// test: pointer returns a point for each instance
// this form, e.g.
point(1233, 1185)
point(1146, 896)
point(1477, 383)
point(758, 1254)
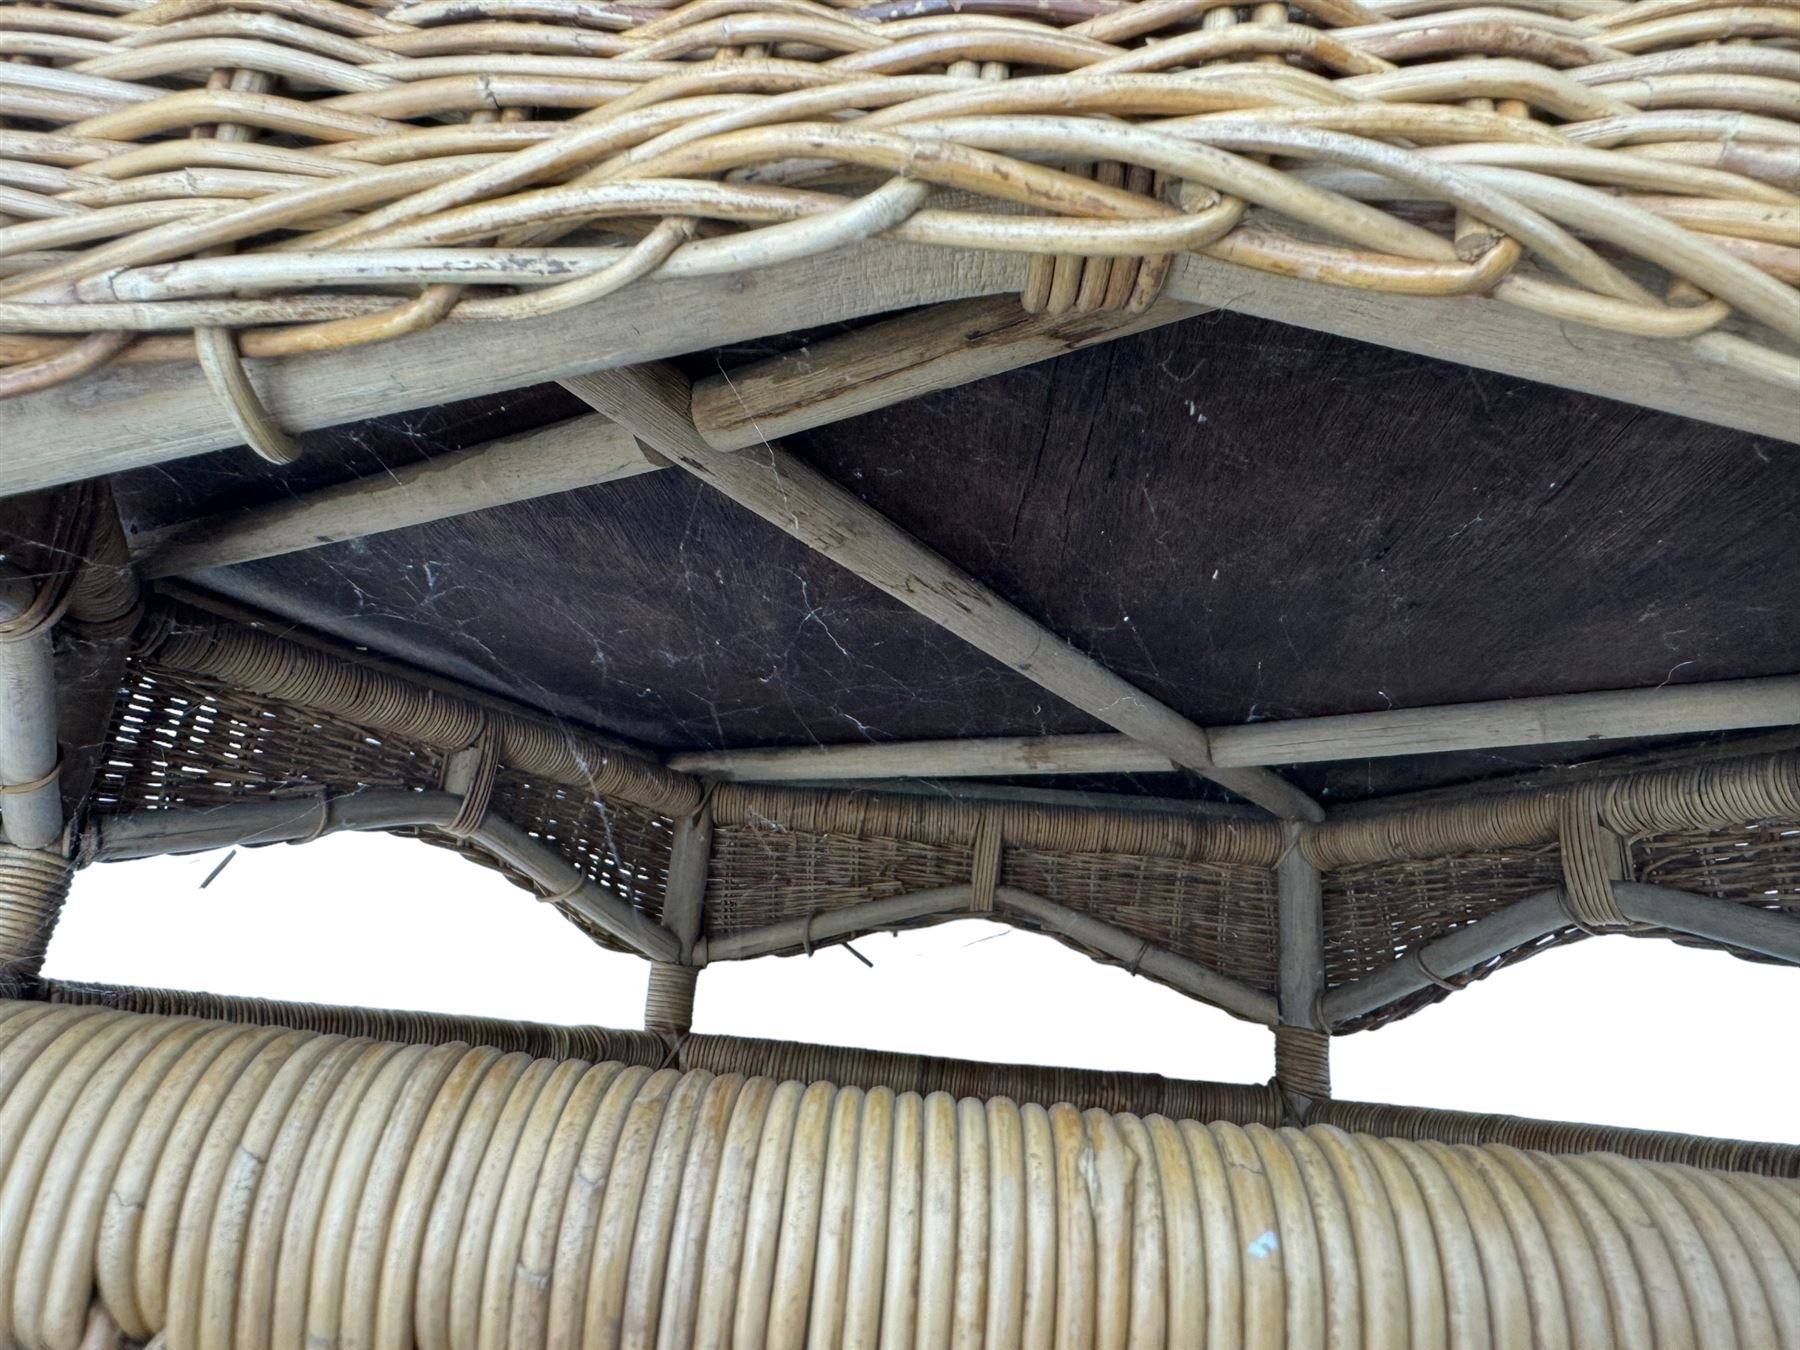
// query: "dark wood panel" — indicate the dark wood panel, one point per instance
point(1249, 520)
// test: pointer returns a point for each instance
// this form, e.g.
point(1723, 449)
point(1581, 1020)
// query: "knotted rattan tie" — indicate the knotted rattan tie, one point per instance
point(1069, 284)
point(1593, 857)
point(471, 772)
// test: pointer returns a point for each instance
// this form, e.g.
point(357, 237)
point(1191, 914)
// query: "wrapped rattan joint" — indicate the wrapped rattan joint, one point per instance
point(233, 1186)
point(669, 998)
point(1303, 1062)
point(33, 886)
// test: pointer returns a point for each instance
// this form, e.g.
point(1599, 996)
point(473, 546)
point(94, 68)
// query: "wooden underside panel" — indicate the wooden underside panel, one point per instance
point(1245, 519)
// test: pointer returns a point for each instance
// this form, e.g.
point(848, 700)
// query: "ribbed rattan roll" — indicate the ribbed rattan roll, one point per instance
point(229, 1186)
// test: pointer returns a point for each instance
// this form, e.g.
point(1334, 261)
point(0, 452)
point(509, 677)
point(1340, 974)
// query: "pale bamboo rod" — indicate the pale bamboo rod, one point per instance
point(684, 892)
point(975, 757)
point(1767, 932)
point(965, 790)
point(935, 348)
point(143, 834)
point(654, 403)
point(1447, 957)
point(582, 452)
point(31, 808)
point(131, 415)
point(1140, 956)
point(669, 996)
point(1302, 935)
point(1671, 376)
point(1550, 719)
point(868, 916)
point(898, 359)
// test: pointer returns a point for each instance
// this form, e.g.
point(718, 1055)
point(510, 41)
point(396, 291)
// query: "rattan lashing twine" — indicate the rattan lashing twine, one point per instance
point(226, 1186)
point(1364, 146)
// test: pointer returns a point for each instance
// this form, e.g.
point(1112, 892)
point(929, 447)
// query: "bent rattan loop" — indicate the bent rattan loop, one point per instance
point(43, 780)
point(216, 350)
point(1417, 958)
point(54, 583)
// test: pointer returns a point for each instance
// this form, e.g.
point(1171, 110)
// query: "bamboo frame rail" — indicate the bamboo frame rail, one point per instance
point(935, 348)
point(1767, 932)
point(898, 359)
point(655, 404)
point(150, 833)
point(133, 416)
point(130, 416)
point(31, 806)
point(1302, 1050)
point(1549, 719)
point(1009, 903)
point(582, 452)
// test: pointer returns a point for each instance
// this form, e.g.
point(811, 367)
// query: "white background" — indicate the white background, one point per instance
point(1619, 1031)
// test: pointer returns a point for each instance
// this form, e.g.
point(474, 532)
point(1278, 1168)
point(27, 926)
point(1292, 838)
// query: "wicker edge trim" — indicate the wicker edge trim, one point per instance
point(1140, 1093)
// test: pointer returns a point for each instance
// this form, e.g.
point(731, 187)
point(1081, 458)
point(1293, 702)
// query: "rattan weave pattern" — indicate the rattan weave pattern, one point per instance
point(180, 739)
point(1757, 861)
point(386, 704)
point(380, 168)
point(762, 874)
point(1376, 913)
point(1222, 915)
